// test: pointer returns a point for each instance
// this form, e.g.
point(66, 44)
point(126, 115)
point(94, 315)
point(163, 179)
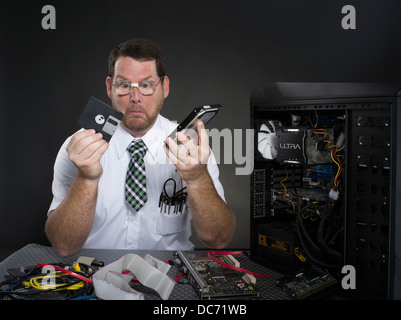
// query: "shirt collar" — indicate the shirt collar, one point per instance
point(153, 139)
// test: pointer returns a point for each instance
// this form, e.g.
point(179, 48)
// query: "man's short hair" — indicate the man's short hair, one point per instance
point(141, 50)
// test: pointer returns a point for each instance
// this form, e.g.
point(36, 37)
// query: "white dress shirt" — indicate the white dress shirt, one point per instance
point(116, 224)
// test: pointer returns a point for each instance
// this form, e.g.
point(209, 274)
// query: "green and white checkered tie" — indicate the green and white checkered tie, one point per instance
point(135, 183)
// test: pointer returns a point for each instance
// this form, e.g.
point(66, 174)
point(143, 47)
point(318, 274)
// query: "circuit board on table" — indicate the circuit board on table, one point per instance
point(213, 280)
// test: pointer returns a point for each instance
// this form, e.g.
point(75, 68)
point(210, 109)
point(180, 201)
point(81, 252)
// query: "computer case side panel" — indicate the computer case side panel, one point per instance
point(395, 226)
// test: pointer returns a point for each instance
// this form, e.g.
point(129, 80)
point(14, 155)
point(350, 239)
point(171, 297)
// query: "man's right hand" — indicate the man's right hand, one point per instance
point(85, 150)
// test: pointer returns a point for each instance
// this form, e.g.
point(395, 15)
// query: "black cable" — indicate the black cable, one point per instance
point(301, 234)
point(301, 224)
point(175, 193)
point(16, 289)
point(176, 200)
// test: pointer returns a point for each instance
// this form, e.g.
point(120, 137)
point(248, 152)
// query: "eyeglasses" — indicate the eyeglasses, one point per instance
point(146, 88)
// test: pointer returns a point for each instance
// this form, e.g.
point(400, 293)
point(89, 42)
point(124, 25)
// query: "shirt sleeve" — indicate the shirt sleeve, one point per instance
point(63, 175)
point(214, 174)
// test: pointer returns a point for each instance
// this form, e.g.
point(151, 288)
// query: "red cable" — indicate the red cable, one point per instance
point(179, 277)
point(234, 267)
point(76, 275)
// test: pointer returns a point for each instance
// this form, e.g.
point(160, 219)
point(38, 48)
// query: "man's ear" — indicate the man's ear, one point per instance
point(108, 86)
point(166, 86)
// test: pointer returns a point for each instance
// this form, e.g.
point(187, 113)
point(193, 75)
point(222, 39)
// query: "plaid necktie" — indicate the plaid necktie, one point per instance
point(135, 183)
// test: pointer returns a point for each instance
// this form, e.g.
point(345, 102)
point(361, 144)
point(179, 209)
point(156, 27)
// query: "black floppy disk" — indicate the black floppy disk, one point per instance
point(101, 117)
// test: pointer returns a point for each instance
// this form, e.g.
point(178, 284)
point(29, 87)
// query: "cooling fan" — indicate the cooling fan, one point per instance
point(316, 148)
point(267, 139)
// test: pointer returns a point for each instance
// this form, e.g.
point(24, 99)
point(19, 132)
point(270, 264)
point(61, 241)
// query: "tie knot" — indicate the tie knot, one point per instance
point(137, 148)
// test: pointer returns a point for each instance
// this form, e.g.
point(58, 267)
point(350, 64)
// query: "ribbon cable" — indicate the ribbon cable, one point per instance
point(112, 281)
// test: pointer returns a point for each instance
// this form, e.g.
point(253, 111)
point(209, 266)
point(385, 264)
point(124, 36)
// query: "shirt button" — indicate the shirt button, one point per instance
point(132, 242)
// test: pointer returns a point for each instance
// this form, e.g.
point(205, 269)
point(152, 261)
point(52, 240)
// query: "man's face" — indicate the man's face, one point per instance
point(140, 112)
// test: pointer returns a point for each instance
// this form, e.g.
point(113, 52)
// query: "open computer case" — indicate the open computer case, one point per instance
point(325, 189)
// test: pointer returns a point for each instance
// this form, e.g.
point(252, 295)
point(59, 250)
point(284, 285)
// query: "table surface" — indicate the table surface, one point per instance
point(35, 253)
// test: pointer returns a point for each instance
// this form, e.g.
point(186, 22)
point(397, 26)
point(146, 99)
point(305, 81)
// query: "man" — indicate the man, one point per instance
point(89, 208)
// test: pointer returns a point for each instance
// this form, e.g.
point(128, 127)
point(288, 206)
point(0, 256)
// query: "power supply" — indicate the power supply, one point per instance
point(325, 189)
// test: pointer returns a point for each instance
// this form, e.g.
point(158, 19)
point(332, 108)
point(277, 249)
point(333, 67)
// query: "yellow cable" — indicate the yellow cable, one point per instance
point(339, 168)
point(76, 267)
point(285, 189)
point(317, 119)
point(38, 283)
point(300, 256)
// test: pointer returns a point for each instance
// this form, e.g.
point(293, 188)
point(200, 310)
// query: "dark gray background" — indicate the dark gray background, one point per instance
point(216, 51)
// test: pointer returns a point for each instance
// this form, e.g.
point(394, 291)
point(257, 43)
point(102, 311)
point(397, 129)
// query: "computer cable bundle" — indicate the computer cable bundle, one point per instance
point(329, 227)
point(48, 282)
